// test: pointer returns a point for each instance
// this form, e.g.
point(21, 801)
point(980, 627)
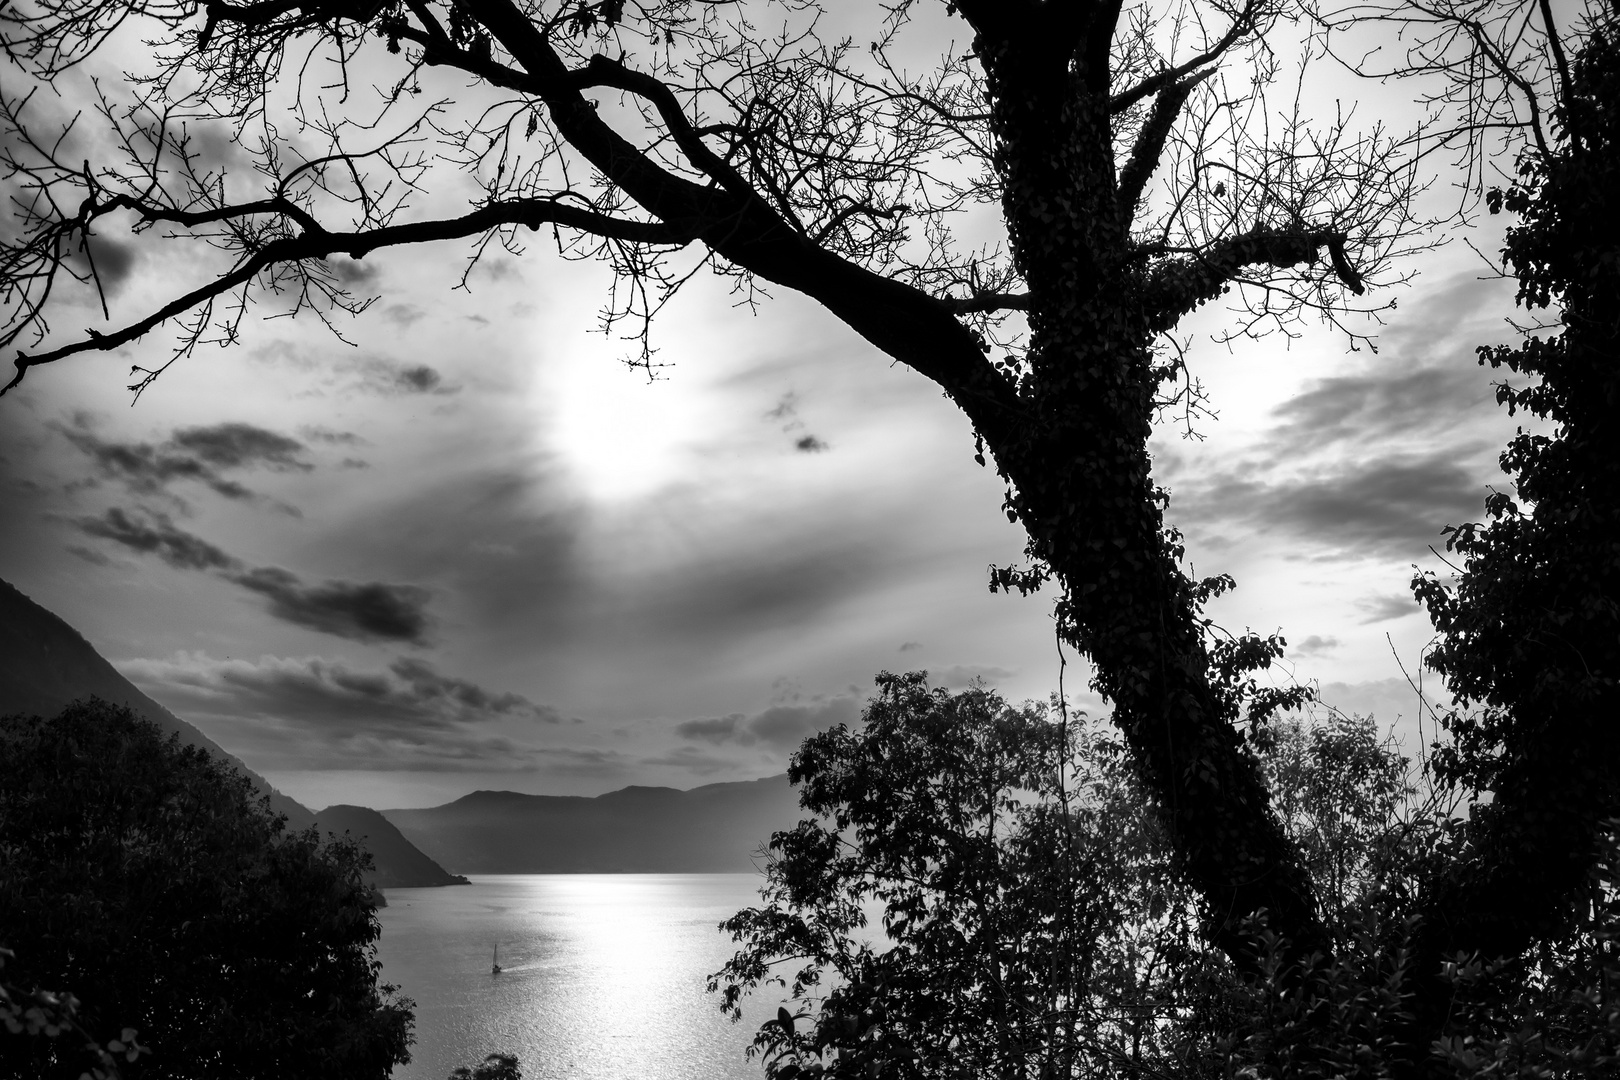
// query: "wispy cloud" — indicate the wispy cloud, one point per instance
point(360, 611)
point(1390, 506)
point(1384, 608)
point(194, 454)
point(391, 377)
point(318, 714)
point(157, 535)
point(779, 728)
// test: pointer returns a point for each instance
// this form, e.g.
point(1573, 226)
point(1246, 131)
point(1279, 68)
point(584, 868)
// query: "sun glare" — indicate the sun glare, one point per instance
point(620, 436)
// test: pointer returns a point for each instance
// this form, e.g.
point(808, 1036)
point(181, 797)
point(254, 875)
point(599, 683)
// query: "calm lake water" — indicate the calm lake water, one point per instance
point(602, 975)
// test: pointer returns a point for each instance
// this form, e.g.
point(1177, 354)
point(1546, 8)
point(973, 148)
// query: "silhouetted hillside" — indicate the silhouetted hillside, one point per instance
point(399, 863)
point(712, 829)
point(45, 664)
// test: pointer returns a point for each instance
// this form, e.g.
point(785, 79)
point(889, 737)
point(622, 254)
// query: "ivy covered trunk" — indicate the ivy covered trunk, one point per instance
point(1078, 465)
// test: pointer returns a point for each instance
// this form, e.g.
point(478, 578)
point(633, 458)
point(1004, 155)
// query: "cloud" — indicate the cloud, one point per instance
point(1375, 408)
point(1384, 608)
point(158, 536)
point(237, 445)
point(693, 760)
point(390, 377)
point(403, 315)
point(197, 454)
point(313, 713)
point(351, 273)
point(361, 611)
point(1315, 645)
point(910, 646)
point(114, 262)
point(786, 410)
point(719, 730)
point(963, 674)
point(369, 611)
point(315, 433)
point(780, 728)
point(1389, 506)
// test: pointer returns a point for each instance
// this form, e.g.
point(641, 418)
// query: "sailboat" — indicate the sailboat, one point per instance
point(495, 961)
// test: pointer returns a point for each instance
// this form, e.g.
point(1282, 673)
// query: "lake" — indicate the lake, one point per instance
point(602, 977)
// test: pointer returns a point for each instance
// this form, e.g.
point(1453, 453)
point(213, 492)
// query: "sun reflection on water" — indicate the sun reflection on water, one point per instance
point(603, 976)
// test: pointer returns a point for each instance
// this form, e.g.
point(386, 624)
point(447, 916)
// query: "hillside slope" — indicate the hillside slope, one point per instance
point(45, 664)
point(399, 863)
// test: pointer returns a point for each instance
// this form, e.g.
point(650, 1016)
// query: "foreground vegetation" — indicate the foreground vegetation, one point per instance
point(1214, 893)
point(153, 883)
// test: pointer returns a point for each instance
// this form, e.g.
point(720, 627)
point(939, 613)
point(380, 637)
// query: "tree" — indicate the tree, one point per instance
point(1033, 920)
point(155, 882)
point(1529, 635)
point(493, 1067)
point(671, 136)
point(51, 1014)
point(1132, 181)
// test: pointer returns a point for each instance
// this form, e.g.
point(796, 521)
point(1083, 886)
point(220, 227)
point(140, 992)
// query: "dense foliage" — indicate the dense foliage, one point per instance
point(1529, 636)
point(154, 881)
point(1033, 922)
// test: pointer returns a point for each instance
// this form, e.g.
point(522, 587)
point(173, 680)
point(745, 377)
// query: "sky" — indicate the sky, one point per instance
point(470, 548)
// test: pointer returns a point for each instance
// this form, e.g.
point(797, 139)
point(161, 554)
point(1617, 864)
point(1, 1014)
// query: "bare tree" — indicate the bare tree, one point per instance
point(1024, 220)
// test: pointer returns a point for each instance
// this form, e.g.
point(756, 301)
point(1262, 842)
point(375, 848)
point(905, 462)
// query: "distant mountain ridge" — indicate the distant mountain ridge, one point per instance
point(45, 665)
point(717, 828)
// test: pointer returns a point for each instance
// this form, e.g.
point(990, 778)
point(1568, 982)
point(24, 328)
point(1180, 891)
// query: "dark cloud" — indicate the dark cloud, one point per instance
point(1384, 608)
point(786, 411)
point(428, 684)
point(196, 454)
point(389, 377)
point(158, 536)
point(352, 274)
point(314, 713)
point(1390, 506)
point(1315, 645)
point(236, 446)
point(113, 260)
point(370, 611)
point(781, 727)
point(910, 646)
point(719, 730)
point(1371, 409)
point(361, 611)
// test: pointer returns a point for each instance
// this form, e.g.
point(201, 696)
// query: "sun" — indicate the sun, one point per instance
point(620, 436)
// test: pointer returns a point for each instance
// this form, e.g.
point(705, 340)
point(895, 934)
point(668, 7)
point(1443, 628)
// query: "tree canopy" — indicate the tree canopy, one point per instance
point(982, 890)
point(156, 884)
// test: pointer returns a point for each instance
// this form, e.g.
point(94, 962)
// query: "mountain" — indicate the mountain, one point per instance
point(639, 830)
point(399, 863)
point(45, 664)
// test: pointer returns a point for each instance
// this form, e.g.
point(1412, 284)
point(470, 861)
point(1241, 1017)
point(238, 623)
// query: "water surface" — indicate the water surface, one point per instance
point(602, 977)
